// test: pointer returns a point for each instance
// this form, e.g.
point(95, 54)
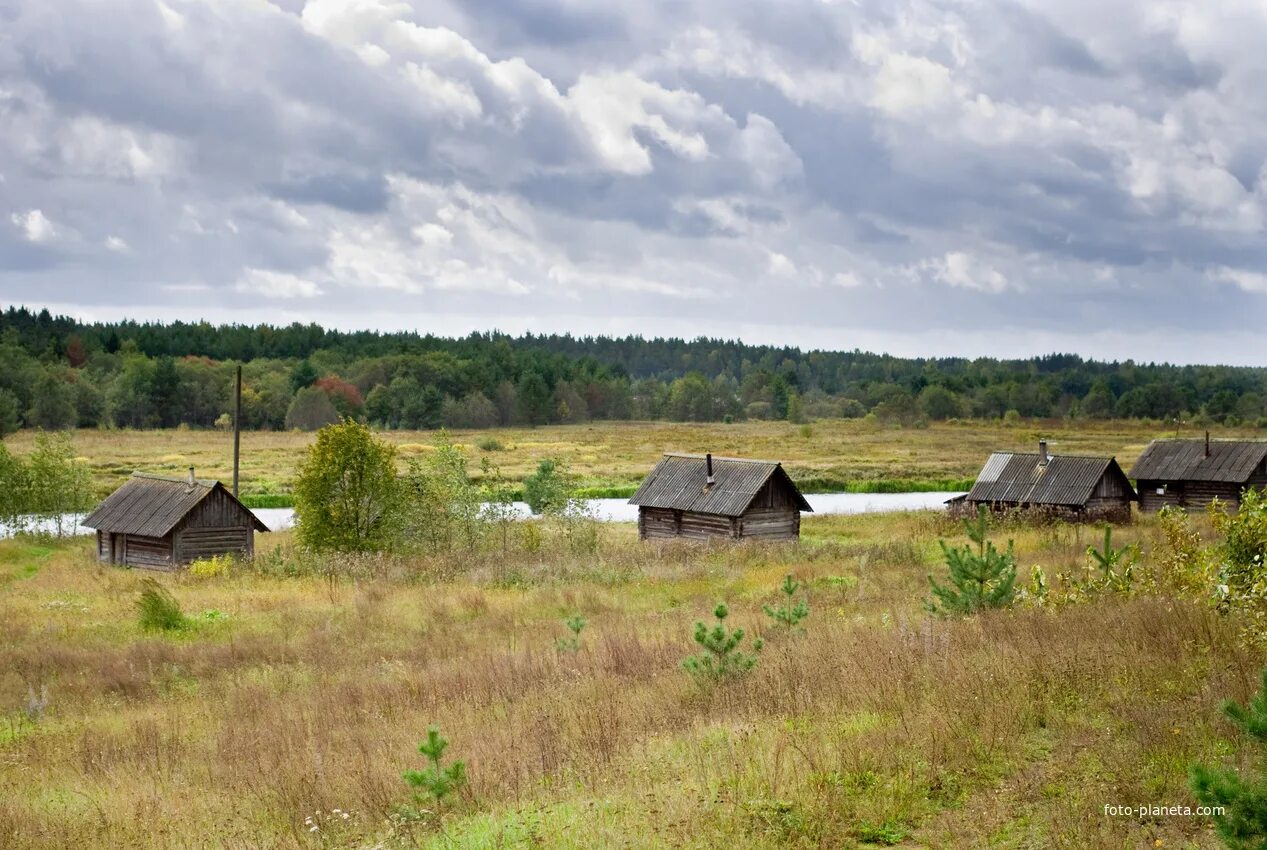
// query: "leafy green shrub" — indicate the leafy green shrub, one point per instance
point(1179, 558)
point(1243, 823)
point(984, 578)
point(1242, 576)
point(158, 610)
point(578, 526)
point(490, 444)
point(792, 611)
point(571, 643)
point(549, 489)
point(443, 505)
point(347, 497)
point(722, 658)
point(436, 781)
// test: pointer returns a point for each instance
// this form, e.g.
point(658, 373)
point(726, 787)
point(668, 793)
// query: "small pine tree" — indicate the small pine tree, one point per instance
point(1117, 566)
point(436, 780)
point(722, 657)
point(572, 643)
point(792, 611)
point(984, 578)
point(1243, 799)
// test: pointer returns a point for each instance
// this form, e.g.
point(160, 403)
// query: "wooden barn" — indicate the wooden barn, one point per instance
point(1072, 486)
point(700, 497)
point(161, 523)
point(1190, 473)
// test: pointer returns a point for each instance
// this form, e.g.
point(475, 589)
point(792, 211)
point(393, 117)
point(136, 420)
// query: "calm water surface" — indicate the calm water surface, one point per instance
point(619, 510)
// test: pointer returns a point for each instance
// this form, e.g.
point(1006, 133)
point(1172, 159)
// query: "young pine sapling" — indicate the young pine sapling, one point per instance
point(1241, 799)
point(1116, 565)
point(436, 781)
point(790, 614)
point(984, 578)
point(722, 658)
point(571, 643)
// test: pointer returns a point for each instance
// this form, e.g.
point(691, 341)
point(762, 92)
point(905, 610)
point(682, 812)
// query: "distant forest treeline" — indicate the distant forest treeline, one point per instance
point(57, 372)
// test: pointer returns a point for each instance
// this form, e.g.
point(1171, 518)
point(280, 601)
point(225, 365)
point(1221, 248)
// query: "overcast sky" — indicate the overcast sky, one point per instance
point(913, 177)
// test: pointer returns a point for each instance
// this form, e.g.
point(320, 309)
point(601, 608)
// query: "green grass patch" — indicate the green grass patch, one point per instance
point(268, 500)
point(832, 484)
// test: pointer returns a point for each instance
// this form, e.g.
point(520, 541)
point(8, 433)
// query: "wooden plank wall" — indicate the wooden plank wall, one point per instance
point(696, 526)
point(1190, 495)
point(656, 523)
point(195, 543)
point(218, 510)
point(770, 523)
point(153, 552)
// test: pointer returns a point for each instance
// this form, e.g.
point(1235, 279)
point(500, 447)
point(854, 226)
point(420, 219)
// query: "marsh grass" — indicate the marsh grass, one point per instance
point(611, 458)
point(1009, 729)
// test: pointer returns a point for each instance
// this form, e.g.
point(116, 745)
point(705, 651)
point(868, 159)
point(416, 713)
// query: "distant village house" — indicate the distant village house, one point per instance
point(1072, 486)
point(162, 523)
point(1190, 473)
point(701, 497)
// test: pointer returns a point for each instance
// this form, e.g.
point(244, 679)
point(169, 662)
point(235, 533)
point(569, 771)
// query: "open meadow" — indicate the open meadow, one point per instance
point(610, 458)
point(286, 709)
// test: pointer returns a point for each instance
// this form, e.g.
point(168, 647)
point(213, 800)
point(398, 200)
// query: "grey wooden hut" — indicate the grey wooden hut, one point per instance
point(1190, 473)
point(700, 497)
point(1072, 486)
point(162, 523)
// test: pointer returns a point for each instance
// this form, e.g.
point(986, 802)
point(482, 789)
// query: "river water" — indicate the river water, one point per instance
point(619, 510)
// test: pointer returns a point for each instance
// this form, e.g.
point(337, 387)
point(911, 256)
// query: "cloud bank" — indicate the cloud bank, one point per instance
point(919, 177)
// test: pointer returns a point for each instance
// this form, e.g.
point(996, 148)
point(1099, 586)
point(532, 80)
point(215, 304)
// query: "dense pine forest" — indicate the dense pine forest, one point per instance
point(59, 372)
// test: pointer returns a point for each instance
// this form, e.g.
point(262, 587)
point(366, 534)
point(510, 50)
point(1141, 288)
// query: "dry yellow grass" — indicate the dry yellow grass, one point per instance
point(621, 453)
point(1012, 729)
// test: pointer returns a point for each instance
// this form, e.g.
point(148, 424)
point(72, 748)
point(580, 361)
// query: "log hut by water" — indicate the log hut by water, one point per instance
point(700, 497)
point(163, 523)
point(1188, 474)
point(1071, 486)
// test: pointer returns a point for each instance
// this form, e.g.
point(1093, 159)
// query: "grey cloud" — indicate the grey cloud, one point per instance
point(1047, 166)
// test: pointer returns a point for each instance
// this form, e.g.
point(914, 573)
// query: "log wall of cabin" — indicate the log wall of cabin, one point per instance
point(216, 526)
point(779, 523)
point(152, 552)
point(195, 543)
point(1189, 495)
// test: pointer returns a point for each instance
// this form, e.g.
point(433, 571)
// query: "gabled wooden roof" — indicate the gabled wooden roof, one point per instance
point(679, 482)
point(152, 505)
point(1231, 461)
point(1021, 478)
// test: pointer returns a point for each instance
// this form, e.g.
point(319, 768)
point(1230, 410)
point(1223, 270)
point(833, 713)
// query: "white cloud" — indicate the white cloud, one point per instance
point(274, 284)
point(35, 226)
point(778, 265)
point(599, 161)
point(1250, 281)
point(963, 270)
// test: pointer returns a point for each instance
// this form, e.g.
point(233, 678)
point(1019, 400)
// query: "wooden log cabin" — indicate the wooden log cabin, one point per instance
point(162, 523)
point(701, 497)
point(1070, 486)
point(1189, 474)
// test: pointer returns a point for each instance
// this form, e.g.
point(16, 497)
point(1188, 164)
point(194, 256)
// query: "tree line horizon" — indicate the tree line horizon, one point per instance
point(60, 372)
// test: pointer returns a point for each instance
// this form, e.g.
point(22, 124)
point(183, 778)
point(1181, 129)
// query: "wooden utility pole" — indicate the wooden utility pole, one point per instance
point(237, 428)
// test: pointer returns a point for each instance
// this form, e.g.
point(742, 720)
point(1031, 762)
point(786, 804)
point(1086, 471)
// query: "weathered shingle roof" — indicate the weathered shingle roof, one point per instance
point(1016, 477)
point(152, 505)
point(678, 482)
point(1185, 460)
